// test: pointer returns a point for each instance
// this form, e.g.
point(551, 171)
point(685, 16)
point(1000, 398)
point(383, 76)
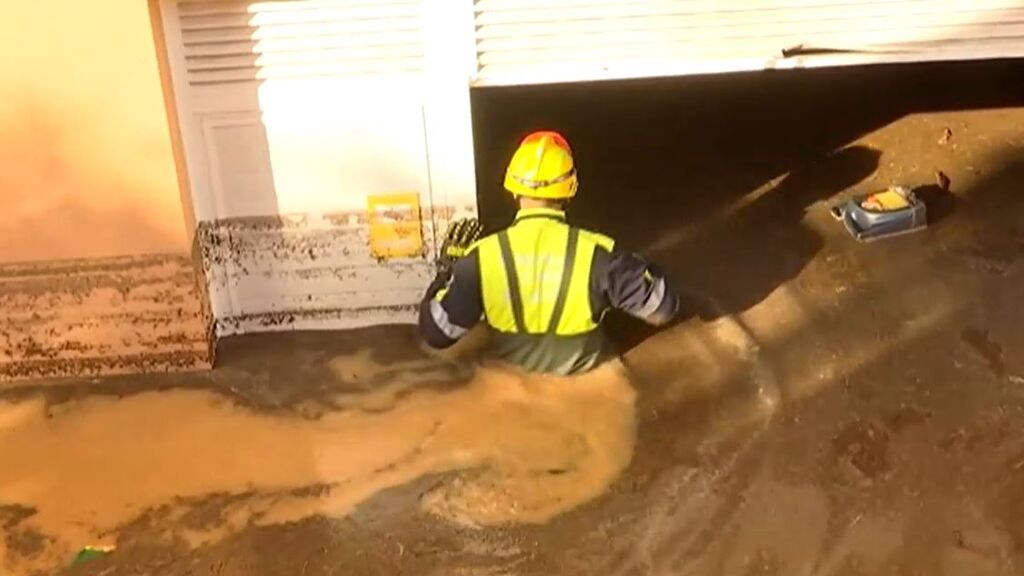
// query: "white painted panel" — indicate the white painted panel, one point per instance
point(309, 271)
point(333, 142)
point(450, 62)
point(242, 180)
point(529, 41)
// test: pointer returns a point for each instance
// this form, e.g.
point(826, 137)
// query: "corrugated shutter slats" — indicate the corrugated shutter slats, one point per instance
point(232, 41)
point(529, 41)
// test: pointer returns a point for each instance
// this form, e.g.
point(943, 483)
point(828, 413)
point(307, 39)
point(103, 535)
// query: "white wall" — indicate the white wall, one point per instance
point(292, 115)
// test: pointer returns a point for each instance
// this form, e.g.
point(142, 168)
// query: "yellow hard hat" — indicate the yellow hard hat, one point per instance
point(542, 167)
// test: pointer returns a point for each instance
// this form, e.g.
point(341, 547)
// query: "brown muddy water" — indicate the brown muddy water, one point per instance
point(497, 447)
point(527, 448)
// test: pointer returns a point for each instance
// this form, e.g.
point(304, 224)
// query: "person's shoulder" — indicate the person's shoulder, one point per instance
point(598, 239)
point(482, 241)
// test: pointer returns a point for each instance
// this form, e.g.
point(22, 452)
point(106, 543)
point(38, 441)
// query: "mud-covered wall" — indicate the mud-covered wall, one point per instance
point(93, 243)
point(312, 271)
point(88, 317)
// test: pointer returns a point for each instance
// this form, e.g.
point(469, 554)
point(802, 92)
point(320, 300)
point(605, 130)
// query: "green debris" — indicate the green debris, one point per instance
point(91, 553)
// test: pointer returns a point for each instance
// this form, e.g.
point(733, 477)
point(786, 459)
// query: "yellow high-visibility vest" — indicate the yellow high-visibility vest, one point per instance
point(535, 279)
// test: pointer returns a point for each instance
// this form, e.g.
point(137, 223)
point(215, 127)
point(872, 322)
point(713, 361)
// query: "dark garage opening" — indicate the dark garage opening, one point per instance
point(658, 156)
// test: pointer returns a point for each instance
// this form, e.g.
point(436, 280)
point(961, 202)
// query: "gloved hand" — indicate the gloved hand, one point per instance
point(460, 236)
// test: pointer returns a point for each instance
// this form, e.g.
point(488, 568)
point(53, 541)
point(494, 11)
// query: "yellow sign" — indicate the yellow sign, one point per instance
point(395, 226)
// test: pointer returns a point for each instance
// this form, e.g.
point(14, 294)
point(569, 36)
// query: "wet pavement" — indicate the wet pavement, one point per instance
point(824, 407)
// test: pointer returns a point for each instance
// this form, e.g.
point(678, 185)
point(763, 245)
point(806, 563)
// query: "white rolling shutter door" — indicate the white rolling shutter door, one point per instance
point(543, 41)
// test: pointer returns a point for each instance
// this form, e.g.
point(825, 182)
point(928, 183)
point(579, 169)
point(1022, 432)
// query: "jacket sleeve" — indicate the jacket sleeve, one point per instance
point(630, 283)
point(452, 305)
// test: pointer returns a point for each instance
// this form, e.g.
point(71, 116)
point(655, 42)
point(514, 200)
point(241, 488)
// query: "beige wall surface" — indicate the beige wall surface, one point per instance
point(86, 169)
point(95, 268)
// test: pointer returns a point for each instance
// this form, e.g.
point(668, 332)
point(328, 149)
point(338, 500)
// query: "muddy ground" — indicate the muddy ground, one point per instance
point(824, 407)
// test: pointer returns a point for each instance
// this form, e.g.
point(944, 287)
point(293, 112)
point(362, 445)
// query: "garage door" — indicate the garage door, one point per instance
point(542, 41)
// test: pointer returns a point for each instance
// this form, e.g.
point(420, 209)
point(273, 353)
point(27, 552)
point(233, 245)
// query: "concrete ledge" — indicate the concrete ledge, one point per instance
point(103, 316)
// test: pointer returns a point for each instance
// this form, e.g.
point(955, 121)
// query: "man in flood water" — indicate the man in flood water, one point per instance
point(543, 286)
